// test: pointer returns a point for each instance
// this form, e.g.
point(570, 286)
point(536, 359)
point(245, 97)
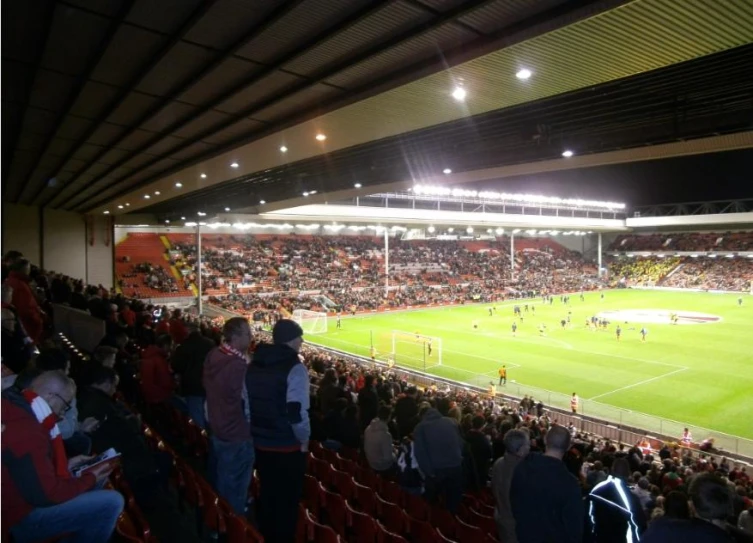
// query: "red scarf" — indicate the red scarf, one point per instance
point(49, 422)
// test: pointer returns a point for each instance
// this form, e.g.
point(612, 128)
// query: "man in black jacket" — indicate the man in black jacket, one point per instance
point(188, 363)
point(368, 402)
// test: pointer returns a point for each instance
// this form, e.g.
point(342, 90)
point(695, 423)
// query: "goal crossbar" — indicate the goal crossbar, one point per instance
point(312, 322)
point(416, 350)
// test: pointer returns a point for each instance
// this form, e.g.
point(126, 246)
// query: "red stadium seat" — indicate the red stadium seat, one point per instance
point(365, 498)
point(385, 536)
point(445, 539)
point(344, 484)
point(312, 494)
point(363, 527)
point(443, 520)
point(391, 515)
point(335, 511)
point(421, 531)
point(392, 492)
point(417, 506)
point(485, 522)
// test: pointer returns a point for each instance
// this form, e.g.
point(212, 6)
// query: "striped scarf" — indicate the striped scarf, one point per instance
point(48, 420)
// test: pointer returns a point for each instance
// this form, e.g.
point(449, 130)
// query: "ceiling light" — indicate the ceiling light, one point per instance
point(451, 230)
point(321, 137)
point(262, 202)
point(500, 231)
point(178, 185)
point(358, 185)
point(312, 192)
point(106, 212)
point(305, 193)
point(447, 171)
point(182, 218)
point(120, 207)
point(431, 229)
point(146, 196)
point(201, 214)
point(157, 193)
point(568, 153)
point(127, 204)
point(167, 221)
point(469, 230)
point(283, 149)
point(459, 94)
point(524, 74)
point(227, 209)
point(203, 176)
point(234, 165)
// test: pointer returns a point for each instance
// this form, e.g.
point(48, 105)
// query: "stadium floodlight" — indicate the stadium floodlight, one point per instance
point(431, 229)
point(469, 230)
point(450, 229)
point(516, 231)
point(190, 224)
point(523, 74)
point(430, 190)
point(567, 153)
point(500, 231)
point(459, 94)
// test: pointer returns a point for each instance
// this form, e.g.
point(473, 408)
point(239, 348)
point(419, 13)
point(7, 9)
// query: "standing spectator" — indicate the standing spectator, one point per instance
point(712, 504)
point(615, 513)
point(545, 496)
point(8, 259)
point(227, 413)
point(24, 301)
point(157, 383)
point(188, 364)
point(16, 351)
point(480, 448)
point(40, 498)
point(368, 402)
point(439, 451)
point(278, 390)
point(178, 330)
point(517, 446)
point(377, 443)
point(128, 316)
point(406, 412)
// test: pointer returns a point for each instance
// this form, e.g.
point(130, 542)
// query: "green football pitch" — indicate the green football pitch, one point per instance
point(698, 371)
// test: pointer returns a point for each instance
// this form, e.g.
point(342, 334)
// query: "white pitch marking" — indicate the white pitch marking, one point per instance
point(639, 383)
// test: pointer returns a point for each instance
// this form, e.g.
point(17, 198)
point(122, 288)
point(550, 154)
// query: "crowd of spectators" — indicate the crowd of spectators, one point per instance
point(435, 442)
point(699, 272)
point(685, 241)
point(154, 277)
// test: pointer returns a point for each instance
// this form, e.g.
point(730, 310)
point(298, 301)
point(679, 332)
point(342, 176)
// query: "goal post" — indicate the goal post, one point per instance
point(416, 350)
point(312, 322)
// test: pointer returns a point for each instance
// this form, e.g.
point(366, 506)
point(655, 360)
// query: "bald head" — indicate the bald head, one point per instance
point(57, 389)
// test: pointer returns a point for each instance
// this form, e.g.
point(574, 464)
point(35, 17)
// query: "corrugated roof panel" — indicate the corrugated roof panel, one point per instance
point(302, 23)
point(503, 13)
point(203, 122)
point(264, 88)
point(165, 145)
point(164, 16)
point(303, 100)
point(135, 139)
point(442, 5)
point(74, 39)
point(73, 127)
point(132, 108)
point(405, 54)
point(180, 63)
point(51, 90)
point(236, 130)
point(392, 20)
point(192, 150)
point(128, 52)
point(226, 76)
point(112, 156)
point(227, 21)
point(106, 133)
point(168, 115)
point(93, 99)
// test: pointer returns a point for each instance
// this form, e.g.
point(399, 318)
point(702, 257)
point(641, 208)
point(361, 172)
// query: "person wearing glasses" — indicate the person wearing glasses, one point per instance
point(40, 498)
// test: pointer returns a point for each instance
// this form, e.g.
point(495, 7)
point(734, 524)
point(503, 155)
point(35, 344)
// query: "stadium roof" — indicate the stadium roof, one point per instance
point(105, 102)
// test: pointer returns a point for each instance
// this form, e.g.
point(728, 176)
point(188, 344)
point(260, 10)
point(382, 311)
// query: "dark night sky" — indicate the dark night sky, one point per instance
point(716, 176)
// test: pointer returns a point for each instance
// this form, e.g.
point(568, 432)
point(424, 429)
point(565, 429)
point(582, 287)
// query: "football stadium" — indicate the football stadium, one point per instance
point(418, 271)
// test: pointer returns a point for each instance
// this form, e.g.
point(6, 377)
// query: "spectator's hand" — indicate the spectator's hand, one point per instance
point(101, 472)
point(89, 425)
point(78, 460)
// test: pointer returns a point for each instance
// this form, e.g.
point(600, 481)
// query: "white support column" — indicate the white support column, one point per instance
point(512, 254)
point(598, 255)
point(198, 264)
point(386, 262)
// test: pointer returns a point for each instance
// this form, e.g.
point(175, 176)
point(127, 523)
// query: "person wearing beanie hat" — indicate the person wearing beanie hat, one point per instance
point(278, 393)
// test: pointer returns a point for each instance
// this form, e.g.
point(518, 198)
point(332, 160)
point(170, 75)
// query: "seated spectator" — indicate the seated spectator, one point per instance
point(157, 383)
point(121, 430)
point(40, 498)
point(377, 443)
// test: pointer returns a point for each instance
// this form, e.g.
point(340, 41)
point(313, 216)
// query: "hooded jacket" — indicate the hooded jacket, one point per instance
point(278, 393)
point(224, 378)
point(188, 362)
point(29, 479)
point(377, 444)
point(437, 442)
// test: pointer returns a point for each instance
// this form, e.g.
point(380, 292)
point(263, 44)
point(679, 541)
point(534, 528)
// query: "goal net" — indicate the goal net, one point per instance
point(416, 350)
point(312, 322)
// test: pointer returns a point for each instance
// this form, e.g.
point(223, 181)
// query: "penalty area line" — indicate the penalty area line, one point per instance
point(645, 381)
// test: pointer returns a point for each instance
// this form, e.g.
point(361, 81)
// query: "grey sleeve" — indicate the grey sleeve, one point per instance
point(298, 402)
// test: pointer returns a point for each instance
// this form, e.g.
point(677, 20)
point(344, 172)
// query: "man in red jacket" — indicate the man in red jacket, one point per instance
point(40, 498)
point(157, 382)
point(29, 312)
point(178, 330)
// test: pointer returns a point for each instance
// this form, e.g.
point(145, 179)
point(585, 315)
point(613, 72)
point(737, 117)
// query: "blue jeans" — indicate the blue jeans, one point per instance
point(88, 518)
point(233, 464)
point(195, 405)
